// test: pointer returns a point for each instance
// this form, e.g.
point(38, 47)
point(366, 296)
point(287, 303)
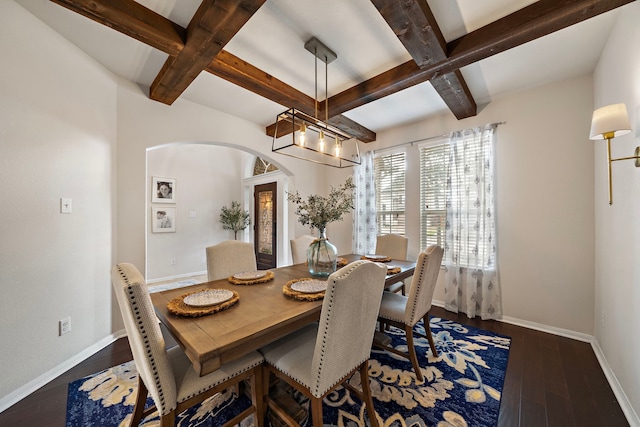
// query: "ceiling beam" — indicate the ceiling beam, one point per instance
point(417, 29)
point(233, 69)
point(132, 19)
point(211, 28)
point(534, 21)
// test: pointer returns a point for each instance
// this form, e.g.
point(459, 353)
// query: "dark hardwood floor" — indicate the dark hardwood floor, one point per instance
point(551, 381)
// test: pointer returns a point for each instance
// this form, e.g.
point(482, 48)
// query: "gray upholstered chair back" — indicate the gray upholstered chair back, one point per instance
point(423, 284)
point(145, 337)
point(230, 257)
point(347, 323)
point(392, 245)
point(299, 247)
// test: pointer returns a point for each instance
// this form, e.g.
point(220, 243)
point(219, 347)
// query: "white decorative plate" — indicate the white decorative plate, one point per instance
point(208, 297)
point(391, 266)
point(372, 256)
point(311, 286)
point(250, 275)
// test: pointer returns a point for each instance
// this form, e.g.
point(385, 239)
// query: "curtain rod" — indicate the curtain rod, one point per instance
point(432, 137)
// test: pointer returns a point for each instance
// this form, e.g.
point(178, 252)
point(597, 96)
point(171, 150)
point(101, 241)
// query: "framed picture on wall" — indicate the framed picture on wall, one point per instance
point(163, 219)
point(163, 190)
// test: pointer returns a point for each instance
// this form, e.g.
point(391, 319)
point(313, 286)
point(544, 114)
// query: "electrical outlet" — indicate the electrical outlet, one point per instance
point(602, 317)
point(172, 261)
point(65, 325)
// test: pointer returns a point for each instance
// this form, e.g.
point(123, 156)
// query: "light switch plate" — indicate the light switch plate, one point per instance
point(65, 205)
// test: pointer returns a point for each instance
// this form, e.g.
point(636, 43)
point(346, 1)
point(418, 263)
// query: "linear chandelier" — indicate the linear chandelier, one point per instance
point(313, 139)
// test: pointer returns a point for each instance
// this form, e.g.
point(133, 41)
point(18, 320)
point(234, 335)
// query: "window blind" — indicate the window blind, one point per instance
point(433, 175)
point(390, 192)
point(434, 161)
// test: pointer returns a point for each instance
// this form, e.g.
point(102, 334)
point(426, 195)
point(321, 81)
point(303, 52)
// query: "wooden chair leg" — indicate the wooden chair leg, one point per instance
point(366, 391)
point(266, 377)
point(316, 411)
point(168, 420)
point(427, 332)
point(141, 400)
point(411, 348)
point(257, 396)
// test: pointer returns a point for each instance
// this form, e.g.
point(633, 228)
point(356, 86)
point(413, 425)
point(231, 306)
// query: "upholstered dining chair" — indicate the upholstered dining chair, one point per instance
point(395, 247)
point(230, 257)
point(319, 357)
point(299, 247)
point(168, 375)
point(405, 312)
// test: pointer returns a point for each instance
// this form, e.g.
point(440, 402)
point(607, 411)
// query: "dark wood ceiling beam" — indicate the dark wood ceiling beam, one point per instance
point(233, 69)
point(534, 21)
point(417, 29)
point(454, 91)
point(211, 28)
point(537, 20)
point(132, 19)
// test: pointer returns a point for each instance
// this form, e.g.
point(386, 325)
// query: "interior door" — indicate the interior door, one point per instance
point(265, 224)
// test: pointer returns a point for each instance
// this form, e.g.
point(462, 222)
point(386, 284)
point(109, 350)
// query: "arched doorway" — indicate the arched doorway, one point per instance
point(207, 176)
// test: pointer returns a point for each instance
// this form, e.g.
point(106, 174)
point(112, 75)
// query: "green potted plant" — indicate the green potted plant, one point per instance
point(234, 218)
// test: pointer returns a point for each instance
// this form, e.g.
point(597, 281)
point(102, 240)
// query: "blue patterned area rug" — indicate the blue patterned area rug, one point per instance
point(462, 387)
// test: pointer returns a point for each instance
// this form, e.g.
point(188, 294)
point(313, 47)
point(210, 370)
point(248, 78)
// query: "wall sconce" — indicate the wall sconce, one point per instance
point(607, 123)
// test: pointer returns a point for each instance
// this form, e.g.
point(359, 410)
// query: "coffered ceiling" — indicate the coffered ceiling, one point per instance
point(397, 62)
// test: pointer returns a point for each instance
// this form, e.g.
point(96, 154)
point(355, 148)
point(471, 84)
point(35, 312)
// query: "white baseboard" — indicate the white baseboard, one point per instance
point(579, 336)
point(33, 385)
point(627, 408)
point(179, 276)
point(538, 327)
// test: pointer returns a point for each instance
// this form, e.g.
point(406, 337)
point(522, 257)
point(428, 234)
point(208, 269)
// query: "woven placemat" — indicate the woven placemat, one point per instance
point(394, 270)
point(179, 308)
point(340, 262)
point(264, 279)
point(387, 259)
point(302, 296)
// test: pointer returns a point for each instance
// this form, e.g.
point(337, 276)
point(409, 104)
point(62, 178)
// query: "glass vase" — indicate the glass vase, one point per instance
point(322, 256)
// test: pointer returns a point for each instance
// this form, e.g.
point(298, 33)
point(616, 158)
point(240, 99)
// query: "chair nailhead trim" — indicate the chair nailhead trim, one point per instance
point(228, 377)
point(145, 337)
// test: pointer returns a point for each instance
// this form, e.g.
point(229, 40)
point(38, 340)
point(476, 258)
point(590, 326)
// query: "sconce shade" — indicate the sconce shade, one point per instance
point(610, 122)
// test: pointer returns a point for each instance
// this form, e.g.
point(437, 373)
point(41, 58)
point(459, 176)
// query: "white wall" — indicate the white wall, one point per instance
point(207, 178)
point(617, 229)
point(57, 139)
point(544, 196)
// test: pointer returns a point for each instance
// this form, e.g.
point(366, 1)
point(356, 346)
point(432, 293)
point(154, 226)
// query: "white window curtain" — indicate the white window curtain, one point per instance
point(470, 262)
point(364, 213)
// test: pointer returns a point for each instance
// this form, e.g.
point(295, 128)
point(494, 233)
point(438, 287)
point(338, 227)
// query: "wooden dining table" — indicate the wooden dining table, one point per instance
point(262, 315)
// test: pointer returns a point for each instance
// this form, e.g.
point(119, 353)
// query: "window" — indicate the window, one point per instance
point(457, 176)
point(390, 192)
point(433, 213)
point(261, 166)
